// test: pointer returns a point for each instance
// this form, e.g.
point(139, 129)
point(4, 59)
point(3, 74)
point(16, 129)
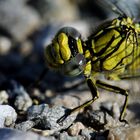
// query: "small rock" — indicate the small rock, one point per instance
point(8, 116)
point(88, 133)
point(66, 100)
point(91, 134)
point(125, 133)
point(75, 129)
point(24, 126)
point(12, 134)
point(22, 100)
point(3, 97)
point(5, 45)
point(102, 120)
point(112, 108)
point(46, 117)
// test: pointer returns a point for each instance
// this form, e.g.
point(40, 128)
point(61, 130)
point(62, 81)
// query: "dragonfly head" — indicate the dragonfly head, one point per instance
point(65, 53)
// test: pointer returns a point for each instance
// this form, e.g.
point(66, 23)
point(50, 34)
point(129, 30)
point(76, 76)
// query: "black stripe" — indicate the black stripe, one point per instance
point(104, 32)
point(108, 55)
point(103, 50)
point(73, 46)
point(89, 47)
point(121, 61)
point(124, 58)
point(106, 47)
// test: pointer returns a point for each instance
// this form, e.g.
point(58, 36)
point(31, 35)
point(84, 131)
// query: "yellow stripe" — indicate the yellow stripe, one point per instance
point(49, 59)
point(79, 46)
point(56, 52)
point(64, 46)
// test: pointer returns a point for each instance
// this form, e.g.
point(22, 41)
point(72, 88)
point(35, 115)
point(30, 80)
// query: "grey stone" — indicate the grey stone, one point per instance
point(5, 45)
point(24, 126)
point(3, 97)
point(22, 99)
point(8, 116)
point(75, 129)
point(47, 117)
point(101, 120)
point(87, 133)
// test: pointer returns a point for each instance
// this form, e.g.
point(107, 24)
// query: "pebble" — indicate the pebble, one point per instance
point(12, 134)
point(111, 107)
point(3, 97)
point(66, 100)
point(22, 99)
point(46, 117)
point(88, 133)
point(24, 126)
point(101, 120)
point(75, 129)
point(5, 45)
point(8, 116)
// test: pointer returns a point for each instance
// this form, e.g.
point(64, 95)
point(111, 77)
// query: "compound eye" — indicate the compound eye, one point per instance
point(70, 31)
point(75, 66)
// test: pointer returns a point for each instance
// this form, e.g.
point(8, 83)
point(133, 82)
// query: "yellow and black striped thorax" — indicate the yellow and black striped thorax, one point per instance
point(114, 46)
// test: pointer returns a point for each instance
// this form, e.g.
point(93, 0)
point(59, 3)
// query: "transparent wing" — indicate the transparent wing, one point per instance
point(130, 8)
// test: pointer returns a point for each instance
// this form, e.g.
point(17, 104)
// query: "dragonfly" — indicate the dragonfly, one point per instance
point(112, 50)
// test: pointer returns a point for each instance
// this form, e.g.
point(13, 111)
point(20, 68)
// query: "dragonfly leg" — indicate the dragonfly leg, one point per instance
point(118, 90)
point(95, 96)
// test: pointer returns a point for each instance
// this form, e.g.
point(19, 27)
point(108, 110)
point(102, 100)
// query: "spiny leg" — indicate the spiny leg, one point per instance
point(116, 90)
point(95, 96)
